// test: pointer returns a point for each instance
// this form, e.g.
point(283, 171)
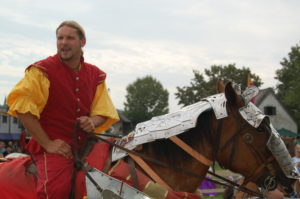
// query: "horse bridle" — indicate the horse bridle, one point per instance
point(270, 182)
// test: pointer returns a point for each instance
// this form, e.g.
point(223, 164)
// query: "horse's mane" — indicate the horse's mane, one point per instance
point(171, 153)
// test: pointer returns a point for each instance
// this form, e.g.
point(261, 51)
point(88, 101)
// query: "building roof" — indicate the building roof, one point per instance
point(3, 109)
point(122, 116)
point(263, 93)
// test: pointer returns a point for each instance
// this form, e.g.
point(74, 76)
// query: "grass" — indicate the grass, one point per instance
point(219, 196)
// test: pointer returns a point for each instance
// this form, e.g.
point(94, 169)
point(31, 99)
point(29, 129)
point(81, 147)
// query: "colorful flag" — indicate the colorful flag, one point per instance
point(250, 83)
point(249, 80)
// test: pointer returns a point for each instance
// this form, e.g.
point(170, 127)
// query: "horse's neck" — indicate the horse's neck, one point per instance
point(179, 181)
point(167, 152)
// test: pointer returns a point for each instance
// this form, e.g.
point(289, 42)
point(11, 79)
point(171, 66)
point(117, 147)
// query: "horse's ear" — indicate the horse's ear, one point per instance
point(220, 86)
point(232, 97)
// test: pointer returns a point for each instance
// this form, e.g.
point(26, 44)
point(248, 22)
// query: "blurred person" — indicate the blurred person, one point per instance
point(296, 158)
point(2, 149)
point(296, 161)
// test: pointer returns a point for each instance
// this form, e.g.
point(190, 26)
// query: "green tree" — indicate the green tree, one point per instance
point(288, 90)
point(145, 98)
point(203, 85)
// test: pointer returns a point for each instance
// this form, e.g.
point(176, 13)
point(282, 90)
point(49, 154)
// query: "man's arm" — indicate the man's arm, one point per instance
point(89, 124)
point(32, 124)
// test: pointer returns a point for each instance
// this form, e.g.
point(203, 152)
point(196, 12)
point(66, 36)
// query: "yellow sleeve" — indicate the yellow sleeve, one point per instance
point(103, 106)
point(30, 94)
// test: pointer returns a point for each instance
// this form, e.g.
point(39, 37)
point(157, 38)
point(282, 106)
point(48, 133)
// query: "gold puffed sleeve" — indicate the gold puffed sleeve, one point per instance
point(102, 105)
point(30, 94)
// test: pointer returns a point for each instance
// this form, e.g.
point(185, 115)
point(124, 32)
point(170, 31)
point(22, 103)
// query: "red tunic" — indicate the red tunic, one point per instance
point(70, 96)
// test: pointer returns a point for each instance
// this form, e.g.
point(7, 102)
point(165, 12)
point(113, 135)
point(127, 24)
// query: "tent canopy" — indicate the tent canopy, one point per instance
point(285, 132)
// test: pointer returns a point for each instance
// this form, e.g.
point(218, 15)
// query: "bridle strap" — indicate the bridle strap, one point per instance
point(216, 144)
point(259, 169)
point(233, 151)
point(233, 140)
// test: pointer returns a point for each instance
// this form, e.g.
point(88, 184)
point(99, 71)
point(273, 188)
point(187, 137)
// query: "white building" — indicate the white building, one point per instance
point(281, 119)
point(10, 128)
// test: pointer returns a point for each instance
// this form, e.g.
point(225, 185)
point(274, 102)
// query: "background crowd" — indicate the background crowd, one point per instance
point(9, 147)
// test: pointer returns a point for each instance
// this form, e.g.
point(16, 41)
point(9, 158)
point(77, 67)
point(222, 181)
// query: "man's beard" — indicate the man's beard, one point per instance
point(70, 55)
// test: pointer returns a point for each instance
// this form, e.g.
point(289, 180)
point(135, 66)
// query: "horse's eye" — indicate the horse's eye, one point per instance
point(260, 129)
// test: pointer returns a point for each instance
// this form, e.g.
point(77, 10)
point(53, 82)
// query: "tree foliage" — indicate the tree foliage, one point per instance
point(288, 90)
point(145, 98)
point(203, 85)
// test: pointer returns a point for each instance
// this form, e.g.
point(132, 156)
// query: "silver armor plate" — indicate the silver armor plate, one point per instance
point(281, 154)
point(252, 114)
point(249, 93)
point(112, 188)
point(218, 103)
point(166, 126)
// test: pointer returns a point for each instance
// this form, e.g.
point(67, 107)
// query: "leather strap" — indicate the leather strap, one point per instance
point(191, 151)
point(132, 171)
point(148, 170)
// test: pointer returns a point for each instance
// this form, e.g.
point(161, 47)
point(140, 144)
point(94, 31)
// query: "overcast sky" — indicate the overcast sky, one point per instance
point(166, 39)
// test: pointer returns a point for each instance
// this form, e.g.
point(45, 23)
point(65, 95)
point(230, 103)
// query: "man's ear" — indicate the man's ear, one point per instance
point(220, 86)
point(83, 42)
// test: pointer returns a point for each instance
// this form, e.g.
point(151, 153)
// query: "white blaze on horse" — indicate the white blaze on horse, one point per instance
point(226, 128)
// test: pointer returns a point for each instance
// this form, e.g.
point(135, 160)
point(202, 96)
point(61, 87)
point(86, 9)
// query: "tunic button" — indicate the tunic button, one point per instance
point(77, 89)
point(78, 100)
point(77, 78)
point(78, 110)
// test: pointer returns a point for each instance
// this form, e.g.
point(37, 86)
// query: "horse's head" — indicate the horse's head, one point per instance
point(249, 145)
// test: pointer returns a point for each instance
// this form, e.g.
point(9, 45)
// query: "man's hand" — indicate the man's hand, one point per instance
point(86, 123)
point(35, 129)
point(59, 147)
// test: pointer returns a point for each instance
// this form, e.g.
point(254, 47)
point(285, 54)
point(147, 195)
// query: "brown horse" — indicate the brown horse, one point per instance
point(231, 141)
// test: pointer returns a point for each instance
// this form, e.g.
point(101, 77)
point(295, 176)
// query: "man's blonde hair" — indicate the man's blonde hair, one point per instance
point(75, 25)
